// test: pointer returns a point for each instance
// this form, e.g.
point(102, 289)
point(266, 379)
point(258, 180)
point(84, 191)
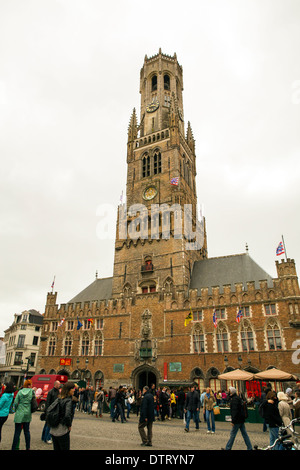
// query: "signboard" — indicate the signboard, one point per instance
point(65, 362)
point(175, 366)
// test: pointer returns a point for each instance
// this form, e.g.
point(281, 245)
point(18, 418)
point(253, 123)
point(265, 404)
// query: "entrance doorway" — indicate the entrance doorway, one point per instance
point(146, 377)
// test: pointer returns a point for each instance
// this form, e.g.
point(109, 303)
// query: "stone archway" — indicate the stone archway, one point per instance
point(144, 375)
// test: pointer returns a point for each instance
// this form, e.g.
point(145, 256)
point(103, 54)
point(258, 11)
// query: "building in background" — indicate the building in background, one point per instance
point(170, 314)
point(22, 342)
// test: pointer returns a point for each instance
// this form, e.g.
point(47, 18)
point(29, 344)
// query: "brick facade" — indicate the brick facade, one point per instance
point(137, 334)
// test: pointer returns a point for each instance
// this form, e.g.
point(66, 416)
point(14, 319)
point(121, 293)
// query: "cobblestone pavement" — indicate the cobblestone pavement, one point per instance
point(91, 433)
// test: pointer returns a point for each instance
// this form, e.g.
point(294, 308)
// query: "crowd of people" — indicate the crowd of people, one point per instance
point(149, 404)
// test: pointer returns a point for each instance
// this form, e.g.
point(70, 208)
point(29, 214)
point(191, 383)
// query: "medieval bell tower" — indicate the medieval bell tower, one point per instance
point(152, 248)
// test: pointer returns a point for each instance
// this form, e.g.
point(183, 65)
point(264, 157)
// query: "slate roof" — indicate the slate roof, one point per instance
point(100, 289)
point(224, 270)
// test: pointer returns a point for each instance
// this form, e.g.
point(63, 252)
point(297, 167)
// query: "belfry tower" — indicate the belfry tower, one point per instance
point(154, 230)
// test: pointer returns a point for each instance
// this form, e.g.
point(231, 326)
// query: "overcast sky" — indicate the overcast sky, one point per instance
point(69, 80)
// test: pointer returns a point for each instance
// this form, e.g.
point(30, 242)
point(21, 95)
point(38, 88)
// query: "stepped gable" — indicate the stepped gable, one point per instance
point(227, 270)
point(100, 289)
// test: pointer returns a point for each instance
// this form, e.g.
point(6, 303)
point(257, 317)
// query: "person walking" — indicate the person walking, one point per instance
point(146, 417)
point(61, 433)
point(180, 402)
point(272, 417)
point(120, 405)
point(208, 405)
point(112, 400)
point(163, 404)
point(5, 404)
point(191, 408)
point(284, 409)
point(23, 416)
point(238, 418)
point(52, 395)
point(100, 401)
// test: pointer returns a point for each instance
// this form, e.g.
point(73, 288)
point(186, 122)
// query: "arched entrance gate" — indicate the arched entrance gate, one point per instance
point(144, 375)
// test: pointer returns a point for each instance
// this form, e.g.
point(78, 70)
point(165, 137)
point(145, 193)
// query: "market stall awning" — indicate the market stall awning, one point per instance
point(237, 374)
point(274, 374)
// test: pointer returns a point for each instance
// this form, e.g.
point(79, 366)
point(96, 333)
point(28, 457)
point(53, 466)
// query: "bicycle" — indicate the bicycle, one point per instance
point(288, 441)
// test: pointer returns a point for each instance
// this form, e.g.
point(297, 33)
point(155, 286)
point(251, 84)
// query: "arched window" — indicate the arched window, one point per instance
point(85, 345)
point(247, 339)
point(146, 166)
point(157, 163)
point(154, 83)
point(274, 336)
point(98, 345)
point(222, 338)
point(198, 340)
point(167, 82)
point(51, 345)
point(68, 345)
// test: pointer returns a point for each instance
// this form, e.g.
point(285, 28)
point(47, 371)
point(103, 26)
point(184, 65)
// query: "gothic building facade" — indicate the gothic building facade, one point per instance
point(170, 314)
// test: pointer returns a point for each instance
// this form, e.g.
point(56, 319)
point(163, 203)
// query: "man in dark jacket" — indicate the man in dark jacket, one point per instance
point(191, 408)
point(51, 397)
point(272, 417)
point(237, 420)
point(146, 417)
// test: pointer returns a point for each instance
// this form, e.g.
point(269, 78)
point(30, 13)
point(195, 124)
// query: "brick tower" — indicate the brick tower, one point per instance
point(156, 226)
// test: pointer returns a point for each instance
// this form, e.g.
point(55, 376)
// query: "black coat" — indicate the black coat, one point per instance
point(272, 415)
point(147, 408)
point(192, 401)
point(236, 410)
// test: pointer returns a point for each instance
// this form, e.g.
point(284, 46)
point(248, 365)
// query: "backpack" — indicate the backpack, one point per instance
point(53, 413)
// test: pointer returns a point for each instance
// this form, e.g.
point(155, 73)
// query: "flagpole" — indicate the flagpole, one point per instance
point(284, 248)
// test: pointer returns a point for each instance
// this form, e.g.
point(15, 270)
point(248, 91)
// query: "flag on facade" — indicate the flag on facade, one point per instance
point(175, 181)
point(91, 320)
point(189, 318)
point(215, 321)
point(61, 322)
point(280, 249)
point(52, 285)
point(79, 324)
point(239, 315)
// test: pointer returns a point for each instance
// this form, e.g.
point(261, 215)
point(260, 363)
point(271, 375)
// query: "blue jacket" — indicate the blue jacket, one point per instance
point(5, 404)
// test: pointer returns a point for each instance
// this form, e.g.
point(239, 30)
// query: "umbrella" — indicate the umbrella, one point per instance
point(274, 374)
point(237, 374)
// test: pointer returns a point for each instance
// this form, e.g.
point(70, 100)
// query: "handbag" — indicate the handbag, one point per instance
point(216, 410)
point(34, 404)
point(94, 406)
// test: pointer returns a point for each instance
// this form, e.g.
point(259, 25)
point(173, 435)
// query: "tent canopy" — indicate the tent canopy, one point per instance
point(237, 374)
point(274, 374)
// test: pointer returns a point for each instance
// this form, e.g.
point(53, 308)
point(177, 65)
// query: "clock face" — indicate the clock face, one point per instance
point(150, 193)
point(153, 106)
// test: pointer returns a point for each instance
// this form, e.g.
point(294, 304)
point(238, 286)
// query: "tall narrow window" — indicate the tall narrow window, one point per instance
point(198, 340)
point(51, 346)
point(68, 345)
point(146, 166)
point(157, 163)
point(222, 339)
point(98, 345)
point(167, 82)
point(85, 345)
point(154, 83)
point(247, 338)
point(274, 337)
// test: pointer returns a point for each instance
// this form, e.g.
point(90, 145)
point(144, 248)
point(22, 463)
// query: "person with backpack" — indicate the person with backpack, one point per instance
point(238, 416)
point(269, 411)
point(51, 397)
point(59, 417)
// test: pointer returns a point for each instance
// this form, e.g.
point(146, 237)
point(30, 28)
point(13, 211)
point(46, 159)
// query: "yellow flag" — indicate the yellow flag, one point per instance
point(189, 318)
